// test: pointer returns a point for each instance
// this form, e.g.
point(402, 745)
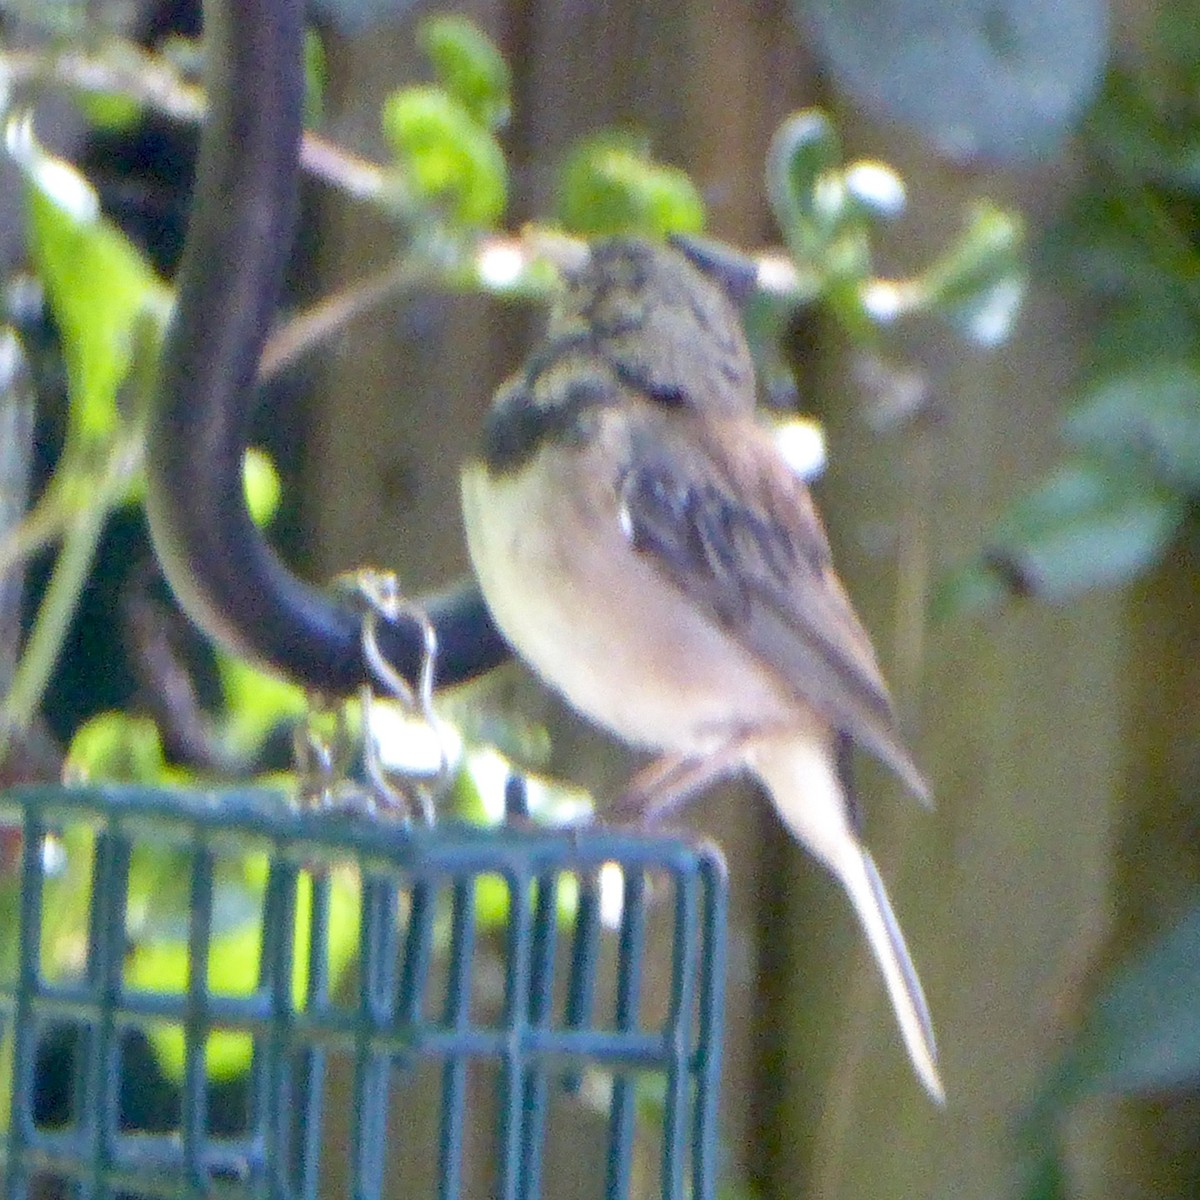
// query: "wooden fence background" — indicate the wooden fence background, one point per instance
point(1051, 735)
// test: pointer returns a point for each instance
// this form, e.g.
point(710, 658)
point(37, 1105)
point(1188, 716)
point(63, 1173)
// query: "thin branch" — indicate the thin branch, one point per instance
point(62, 594)
point(356, 176)
point(305, 330)
point(154, 82)
point(123, 69)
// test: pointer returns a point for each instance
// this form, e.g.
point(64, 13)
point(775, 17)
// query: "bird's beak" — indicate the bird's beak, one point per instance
point(736, 274)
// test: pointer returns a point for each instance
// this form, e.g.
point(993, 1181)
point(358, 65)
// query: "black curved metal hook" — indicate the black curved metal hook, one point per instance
point(243, 213)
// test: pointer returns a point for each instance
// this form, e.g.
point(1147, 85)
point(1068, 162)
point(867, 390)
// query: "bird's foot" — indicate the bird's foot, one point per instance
point(668, 785)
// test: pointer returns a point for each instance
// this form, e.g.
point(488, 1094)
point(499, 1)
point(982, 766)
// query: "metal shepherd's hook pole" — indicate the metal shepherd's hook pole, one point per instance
point(243, 215)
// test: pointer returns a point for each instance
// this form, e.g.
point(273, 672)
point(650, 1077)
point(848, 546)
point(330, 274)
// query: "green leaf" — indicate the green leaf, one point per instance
point(610, 185)
point(825, 211)
point(115, 746)
point(97, 283)
point(979, 282)
point(233, 965)
point(1141, 1034)
point(316, 72)
point(1157, 324)
point(1044, 1176)
point(1149, 417)
point(992, 78)
point(447, 156)
point(470, 67)
point(255, 703)
point(112, 112)
point(261, 481)
point(805, 184)
point(1087, 526)
point(974, 588)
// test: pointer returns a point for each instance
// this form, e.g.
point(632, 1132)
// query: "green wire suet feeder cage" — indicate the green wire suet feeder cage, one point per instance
point(421, 999)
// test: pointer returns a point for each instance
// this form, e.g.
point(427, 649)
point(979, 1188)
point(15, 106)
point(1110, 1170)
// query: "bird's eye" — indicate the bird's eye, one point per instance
point(669, 395)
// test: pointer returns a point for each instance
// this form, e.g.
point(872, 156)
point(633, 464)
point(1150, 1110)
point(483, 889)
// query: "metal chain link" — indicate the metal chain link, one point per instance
point(324, 760)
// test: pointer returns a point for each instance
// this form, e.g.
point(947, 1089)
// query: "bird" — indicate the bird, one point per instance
point(645, 548)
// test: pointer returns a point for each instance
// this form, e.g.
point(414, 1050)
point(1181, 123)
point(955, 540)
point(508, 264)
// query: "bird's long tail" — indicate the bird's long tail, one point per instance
point(802, 778)
point(861, 880)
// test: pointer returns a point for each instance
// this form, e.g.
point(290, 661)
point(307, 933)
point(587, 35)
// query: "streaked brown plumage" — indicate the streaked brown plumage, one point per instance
point(646, 549)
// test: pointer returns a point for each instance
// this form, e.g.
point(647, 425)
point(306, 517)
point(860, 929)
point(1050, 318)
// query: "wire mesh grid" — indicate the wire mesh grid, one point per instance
point(567, 1012)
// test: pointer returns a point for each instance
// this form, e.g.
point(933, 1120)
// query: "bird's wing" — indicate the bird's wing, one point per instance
point(723, 518)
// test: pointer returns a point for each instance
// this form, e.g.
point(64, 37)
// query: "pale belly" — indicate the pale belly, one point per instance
point(600, 625)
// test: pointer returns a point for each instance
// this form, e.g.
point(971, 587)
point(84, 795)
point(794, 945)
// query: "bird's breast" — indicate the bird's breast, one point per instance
point(596, 621)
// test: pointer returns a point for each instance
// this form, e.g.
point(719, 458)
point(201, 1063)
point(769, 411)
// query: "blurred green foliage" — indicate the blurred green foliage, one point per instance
point(159, 958)
point(995, 79)
point(1129, 481)
point(828, 211)
point(1139, 1035)
point(609, 184)
point(470, 68)
point(444, 135)
point(315, 72)
point(1122, 497)
point(97, 284)
point(446, 155)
